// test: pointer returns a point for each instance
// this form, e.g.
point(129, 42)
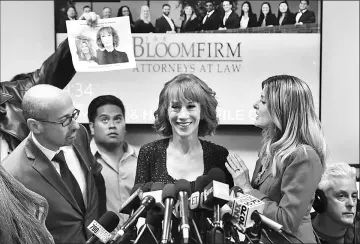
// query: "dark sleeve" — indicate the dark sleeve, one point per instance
point(137, 26)
point(96, 168)
point(157, 26)
point(292, 19)
point(252, 21)
point(235, 23)
point(272, 20)
point(311, 18)
point(125, 58)
point(57, 70)
point(143, 168)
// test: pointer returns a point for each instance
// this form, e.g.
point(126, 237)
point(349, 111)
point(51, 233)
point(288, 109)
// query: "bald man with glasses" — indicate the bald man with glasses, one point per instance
point(55, 161)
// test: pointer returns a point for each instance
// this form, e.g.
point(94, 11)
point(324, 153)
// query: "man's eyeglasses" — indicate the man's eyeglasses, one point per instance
point(67, 120)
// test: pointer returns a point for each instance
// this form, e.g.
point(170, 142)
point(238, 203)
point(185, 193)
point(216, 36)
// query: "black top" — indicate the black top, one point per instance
point(190, 25)
point(142, 27)
point(151, 164)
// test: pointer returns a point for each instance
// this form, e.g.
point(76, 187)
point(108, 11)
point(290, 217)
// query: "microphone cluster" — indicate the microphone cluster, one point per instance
point(211, 214)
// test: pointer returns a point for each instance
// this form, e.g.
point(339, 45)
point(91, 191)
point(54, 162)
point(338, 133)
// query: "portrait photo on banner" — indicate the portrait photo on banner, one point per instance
point(107, 46)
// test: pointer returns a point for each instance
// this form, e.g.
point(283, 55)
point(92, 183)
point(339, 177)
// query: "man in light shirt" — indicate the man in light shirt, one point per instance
point(118, 158)
point(165, 24)
point(304, 16)
point(55, 161)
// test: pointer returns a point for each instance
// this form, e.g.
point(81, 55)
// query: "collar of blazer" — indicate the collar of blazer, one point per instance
point(44, 167)
point(265, 175)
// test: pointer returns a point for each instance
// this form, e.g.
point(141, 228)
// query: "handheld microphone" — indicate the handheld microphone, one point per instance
point(271, 224)
point(146, 203)
point(133, 202)
point(107, 223)
point(168, 198)
point(183, 189)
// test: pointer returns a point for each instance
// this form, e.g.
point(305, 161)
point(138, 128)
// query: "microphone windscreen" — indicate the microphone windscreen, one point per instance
point(137, 186)
point(109, 221)
point(148, 202)
point(217, 175)
point(147, 186)
point(201, 182)
point(168, 192)
point(182, 185)
point(226, 217)
point(157, 186)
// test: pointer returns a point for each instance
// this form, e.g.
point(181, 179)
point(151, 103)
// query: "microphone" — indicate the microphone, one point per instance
point(216, 194)
point(168, 198)
point(133, 201)
point(243, 207)
point(196, 200)
point(146, 203)
point(235, 192)
point(155, 192)
point(107, 223)
point(183, 189)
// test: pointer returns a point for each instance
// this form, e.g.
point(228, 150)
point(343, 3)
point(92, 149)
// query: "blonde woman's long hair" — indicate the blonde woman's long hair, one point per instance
point(148, 19)
point(295, 123)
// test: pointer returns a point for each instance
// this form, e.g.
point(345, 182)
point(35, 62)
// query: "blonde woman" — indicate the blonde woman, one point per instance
point(143, 25)
point(291, 159)
point(191, 21)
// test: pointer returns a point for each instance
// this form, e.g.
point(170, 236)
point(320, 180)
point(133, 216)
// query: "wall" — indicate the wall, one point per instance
point(24, 43)
point(340, 82)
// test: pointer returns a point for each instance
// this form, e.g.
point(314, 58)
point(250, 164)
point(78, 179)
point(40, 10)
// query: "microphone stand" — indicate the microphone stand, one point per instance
point(254, 233)
point(195, 230)
point(146, 228)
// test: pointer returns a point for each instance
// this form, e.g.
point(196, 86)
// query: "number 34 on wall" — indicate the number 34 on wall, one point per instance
point(79, 90)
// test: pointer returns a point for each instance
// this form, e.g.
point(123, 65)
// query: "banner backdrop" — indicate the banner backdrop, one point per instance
point(232, 64)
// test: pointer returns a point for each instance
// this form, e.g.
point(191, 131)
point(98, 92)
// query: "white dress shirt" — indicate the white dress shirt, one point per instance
point(208, 14)
point(226, 16)
point(71, 160)
point(170, 22)
point(299, 14)
point(244, 22)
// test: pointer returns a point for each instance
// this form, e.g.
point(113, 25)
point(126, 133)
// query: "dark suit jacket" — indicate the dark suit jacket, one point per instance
point(211, 23)
point(161, 25)
point(191, 25)
point(288, 198)
point(252, 20)
point(65, 221)
point(232, 22)
point(270, 20)
point(57, 70)
point(307, 17)
point(288, 20)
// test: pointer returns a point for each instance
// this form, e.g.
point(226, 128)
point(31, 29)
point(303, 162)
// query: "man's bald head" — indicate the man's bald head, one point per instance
point(39, 101)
